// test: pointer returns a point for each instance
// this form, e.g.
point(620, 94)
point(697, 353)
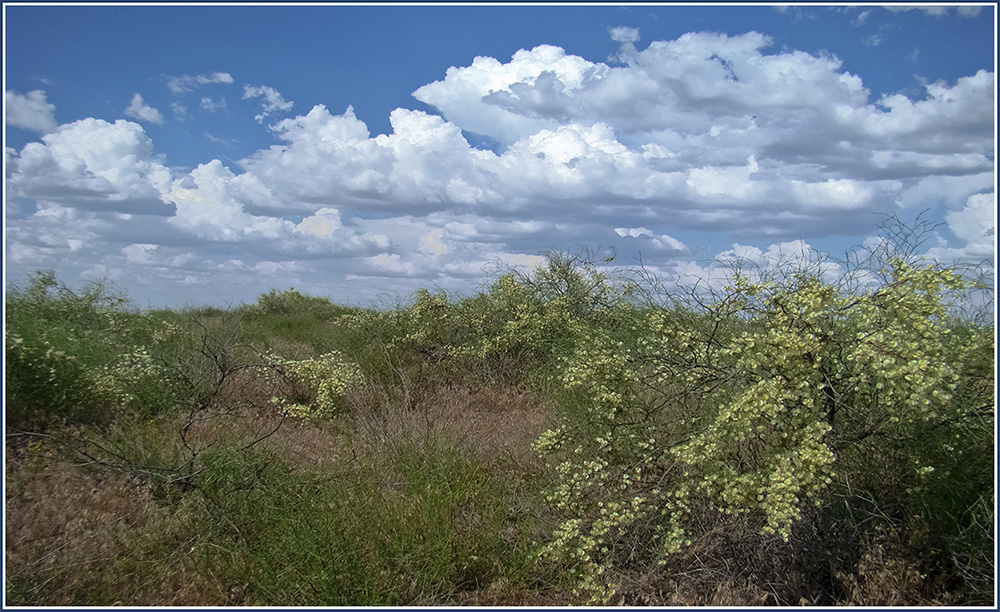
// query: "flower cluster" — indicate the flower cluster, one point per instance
point(119, 381)
point(327, 378)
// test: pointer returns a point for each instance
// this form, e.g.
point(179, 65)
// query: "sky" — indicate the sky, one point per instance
point(203, 155)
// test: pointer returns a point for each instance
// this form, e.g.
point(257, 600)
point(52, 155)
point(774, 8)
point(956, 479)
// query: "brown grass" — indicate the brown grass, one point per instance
point(88, 536)
point(79, 537)
point(497, 424)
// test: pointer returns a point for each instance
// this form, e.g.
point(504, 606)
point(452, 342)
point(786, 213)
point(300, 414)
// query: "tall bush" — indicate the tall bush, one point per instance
point(82, 355)
point(759, 399)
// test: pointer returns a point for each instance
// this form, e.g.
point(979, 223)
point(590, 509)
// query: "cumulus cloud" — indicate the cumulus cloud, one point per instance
point(623, 34)
point(184, 84)
point(710, 92)
point(975, 224)
point(332, 159)
point(662, 242)
point(29, 112)
point(214, 203)
point(680, 121)
point(271, 103)
point(94, 165)
point(139, 253)
point(763, 144)
point(138, 109)
point(704, 132)
point(751, 262)
point(627, 37)
point(210, 204)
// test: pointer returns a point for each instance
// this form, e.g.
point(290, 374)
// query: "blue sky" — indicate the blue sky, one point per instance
point(202, 155)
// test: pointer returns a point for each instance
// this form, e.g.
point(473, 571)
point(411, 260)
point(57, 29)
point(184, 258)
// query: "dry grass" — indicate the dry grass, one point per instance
point(81, 537)
point(496, 424)
point(731, 564)
point(78, 537)
point(885, 576)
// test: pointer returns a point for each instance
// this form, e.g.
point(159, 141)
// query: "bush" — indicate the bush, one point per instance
point(525, 323)
point(81, 355)
point(291, 302)
point(774, 394)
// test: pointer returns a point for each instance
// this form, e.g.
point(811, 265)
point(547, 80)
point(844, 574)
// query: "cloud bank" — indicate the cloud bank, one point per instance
point(707, 132)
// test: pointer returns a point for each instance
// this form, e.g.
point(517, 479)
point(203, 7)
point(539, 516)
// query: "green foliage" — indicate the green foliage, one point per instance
point(291, 302)
point(527, 322)
point(293, 324)
point(417, 524)
point(750, 405)
point(780, 407)
point(82, 355)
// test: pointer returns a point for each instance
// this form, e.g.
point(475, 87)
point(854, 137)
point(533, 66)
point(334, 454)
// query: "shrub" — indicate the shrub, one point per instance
point(524, 323)
point(81, 355)
point(291, 302)
point(322, 383)
point(751, 400)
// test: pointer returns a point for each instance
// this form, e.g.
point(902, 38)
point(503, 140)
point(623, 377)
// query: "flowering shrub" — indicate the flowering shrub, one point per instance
point(134, 382)
point(325, 379)
point(76, 353)
point(745, 401)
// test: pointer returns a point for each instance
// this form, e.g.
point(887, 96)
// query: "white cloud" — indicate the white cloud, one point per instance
point(272, 101)
point(738, 130)
point(685, 85)
point(634, 232)
point(139, 253)
point(213, 203)
point(703, 133)
point(180, 111)
point(278, 267)
point(937, 10)
point(391, 264)
point(213, 105)
point(477, 97)
point(332, 159)
point(138, 109)
point(92, 164)
point(54, 237)
point(623, 34)
point(750, 262)
point(323, 223)
point(951, 119)
point(29, 112)
point(662, 242)
point(431, 243)
point(183, 84)
point(210, 204)
point(936, 190)
point(733, 182)
point(975, 224)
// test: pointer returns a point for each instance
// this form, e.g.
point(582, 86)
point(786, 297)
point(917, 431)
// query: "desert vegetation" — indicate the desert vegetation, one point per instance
point(572, 435)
